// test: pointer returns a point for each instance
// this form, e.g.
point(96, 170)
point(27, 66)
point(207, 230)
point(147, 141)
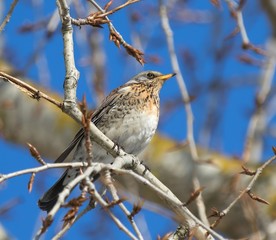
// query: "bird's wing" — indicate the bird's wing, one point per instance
point(105, 107)
point(110, 101)
point(107, 104)
point(71, 146)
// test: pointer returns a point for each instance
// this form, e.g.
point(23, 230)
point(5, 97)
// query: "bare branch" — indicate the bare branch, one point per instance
point(180, 80)
point(193, 196)
point(185, 97)
point(86, 119)
point(4, 177)
point(246, 190)
point(96, 19)
point(248, 172)
point(261, 96)
point(117, 38)
point(106, 13)
point(172, 201)
point(236, 12)
point(66, 227)
point(28, 89)
point(105, 206)
point(8, 16)
point(108, 182)
point(91, 20)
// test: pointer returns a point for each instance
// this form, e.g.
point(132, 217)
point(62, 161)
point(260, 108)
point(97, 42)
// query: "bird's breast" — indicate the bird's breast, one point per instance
point(135, 130)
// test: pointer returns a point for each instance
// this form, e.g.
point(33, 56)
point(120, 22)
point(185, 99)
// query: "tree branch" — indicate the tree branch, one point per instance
point(8, 16)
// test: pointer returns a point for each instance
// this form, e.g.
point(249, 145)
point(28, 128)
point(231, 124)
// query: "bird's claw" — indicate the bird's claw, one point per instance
point(117, 148)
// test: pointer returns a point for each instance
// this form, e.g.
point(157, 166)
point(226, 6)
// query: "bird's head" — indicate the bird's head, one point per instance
point(151, 78)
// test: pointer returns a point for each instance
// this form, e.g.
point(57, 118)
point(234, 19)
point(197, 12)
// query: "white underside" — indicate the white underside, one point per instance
point(132, 135)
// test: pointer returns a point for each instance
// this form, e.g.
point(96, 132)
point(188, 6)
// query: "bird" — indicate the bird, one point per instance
point(128, 116)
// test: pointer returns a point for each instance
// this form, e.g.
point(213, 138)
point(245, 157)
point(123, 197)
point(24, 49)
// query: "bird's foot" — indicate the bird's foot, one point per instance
point(117, 148)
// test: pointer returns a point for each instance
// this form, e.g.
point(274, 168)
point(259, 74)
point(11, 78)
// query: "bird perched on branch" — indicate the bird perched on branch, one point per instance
point(128, 116)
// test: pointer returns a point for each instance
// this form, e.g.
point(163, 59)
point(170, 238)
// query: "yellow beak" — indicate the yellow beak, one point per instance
point(165, 77)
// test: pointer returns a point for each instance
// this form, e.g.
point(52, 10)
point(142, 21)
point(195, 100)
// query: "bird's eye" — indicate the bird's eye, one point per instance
point(150, 75)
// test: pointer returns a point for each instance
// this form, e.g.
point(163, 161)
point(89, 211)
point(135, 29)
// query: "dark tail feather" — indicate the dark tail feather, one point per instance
point(49, 199)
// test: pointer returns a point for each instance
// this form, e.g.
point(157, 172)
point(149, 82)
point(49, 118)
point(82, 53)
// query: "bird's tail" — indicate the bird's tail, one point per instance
point(49, 199)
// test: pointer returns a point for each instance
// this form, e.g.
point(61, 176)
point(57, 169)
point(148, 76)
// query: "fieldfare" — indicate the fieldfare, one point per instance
point(128, 116)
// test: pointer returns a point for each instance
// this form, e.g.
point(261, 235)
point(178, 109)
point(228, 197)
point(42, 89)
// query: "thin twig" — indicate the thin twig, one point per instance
point(260, 99)
point(236, 11)
point(168, 196)
point(73, 221)
point(118, 8)
point(88, 145)
point(105, 206)
point(61, 199)
point(98, 167)
point(86, 121)
point(117, 38)
point(8, 16)
point(4, 177)
point(31, 91)
point(95, 168)
point(180, 80)
point(101, 17)
point(249, 186)
point(185, 97)
point(70, 223)
point(200, 203)
point(108, 182)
